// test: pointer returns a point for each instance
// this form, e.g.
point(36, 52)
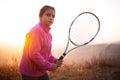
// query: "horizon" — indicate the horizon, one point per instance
point(9, 53)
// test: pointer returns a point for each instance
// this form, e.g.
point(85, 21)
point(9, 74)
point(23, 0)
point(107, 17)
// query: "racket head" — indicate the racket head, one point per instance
point(84, 28)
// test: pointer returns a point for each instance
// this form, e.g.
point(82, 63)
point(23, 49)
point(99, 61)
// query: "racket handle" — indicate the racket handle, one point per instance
point(62, 56)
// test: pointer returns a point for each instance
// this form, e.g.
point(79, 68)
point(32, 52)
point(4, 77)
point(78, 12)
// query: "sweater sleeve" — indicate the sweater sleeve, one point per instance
point(52, 59)
point(35, 41)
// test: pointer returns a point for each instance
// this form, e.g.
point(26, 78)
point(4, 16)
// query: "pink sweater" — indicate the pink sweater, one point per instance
point(37, 57)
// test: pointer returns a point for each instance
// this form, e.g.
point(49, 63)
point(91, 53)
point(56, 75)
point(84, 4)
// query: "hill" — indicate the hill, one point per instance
point(87, 52)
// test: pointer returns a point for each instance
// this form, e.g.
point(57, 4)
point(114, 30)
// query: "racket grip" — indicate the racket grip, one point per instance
point(62, 56)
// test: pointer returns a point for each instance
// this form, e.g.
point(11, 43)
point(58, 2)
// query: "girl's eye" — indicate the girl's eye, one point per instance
point(49, 15)
point(53, 16)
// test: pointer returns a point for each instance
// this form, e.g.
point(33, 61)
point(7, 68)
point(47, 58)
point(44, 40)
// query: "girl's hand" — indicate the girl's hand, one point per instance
point(54, 67)
point(59, 63)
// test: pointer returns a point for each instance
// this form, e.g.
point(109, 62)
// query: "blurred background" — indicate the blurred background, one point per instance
point(17, 17)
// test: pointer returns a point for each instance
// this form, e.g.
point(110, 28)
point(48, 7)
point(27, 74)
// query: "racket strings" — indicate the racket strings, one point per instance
point(83, 29)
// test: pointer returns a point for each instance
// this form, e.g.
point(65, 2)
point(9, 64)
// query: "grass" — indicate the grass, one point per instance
point(95, 69)
point(9, 71)
point(98, 68)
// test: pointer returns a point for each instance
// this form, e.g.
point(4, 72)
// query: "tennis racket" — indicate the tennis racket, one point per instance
point(83, 29)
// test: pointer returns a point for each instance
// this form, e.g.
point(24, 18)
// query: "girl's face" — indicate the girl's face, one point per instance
point(48, 17)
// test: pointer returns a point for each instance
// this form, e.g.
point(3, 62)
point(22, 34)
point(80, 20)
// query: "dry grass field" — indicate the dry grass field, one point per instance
point(96, 68)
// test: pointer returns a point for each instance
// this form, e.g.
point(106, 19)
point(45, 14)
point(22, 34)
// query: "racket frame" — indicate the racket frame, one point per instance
point(66, 51)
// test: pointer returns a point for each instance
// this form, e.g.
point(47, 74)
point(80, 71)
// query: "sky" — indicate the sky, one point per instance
point(17, 17)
